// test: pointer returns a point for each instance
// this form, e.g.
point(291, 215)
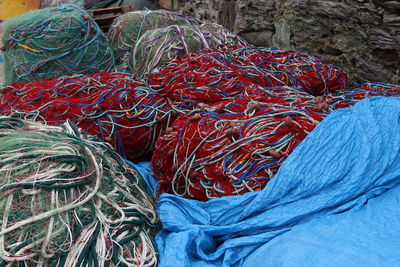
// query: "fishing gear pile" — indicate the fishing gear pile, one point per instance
point(144, 40)
point(67, 199)
point(234, 146)
point(53, 3)
point(135, 4)
point(53, 42)
point(113, 106)
point(368, 90)
point(127, 29)
point(310, 73)
point(221, 73)
point(159, 46)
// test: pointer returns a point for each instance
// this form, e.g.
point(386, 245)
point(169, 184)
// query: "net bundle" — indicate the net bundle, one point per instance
point(53, 3)
point(127, 29)
point(234, 146)
point(221, 73)
point(368, 90)
point(112, 106)
point(67, 199)
point(53, 42)
point(311, 74)
point(163, 45)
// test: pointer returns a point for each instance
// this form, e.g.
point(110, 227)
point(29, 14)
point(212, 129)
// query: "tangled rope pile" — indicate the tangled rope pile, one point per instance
point(234, 146)
point(163, 45)
point(53, 42)
point(68, 200)
point(113, 106)
point(127, 29)
point(351, 97)
point(311, 74)
point(144, 40)
point(221, 73)
point(53, 3)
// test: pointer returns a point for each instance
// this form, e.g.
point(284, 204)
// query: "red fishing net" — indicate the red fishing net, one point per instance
point(113, 106)
point(234, 146)
point(221, 73)
point(351, 97)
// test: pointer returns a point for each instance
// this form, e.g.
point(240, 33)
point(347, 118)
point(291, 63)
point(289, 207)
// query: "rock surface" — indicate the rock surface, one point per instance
point(361, 36)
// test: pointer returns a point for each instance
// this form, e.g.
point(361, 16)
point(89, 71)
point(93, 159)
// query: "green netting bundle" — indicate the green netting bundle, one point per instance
point(53, 42)
point(51, 3)
point(162, 45)
point(128, 28)
point(68, 200)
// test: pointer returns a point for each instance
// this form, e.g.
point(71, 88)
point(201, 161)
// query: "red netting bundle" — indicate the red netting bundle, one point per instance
point(221, 73)
point(351, 97)
point(311, 74)
point(234, 146)
point(113, 106)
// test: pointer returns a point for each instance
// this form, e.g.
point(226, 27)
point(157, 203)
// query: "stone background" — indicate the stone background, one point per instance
point(361, 36)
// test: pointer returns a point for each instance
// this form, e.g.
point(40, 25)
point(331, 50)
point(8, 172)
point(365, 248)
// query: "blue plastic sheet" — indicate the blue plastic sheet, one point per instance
point(335, 201)
point(145, 171)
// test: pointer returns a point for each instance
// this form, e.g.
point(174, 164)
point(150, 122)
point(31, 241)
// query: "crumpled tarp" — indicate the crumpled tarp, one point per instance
point(145, 171)
point(334, 202)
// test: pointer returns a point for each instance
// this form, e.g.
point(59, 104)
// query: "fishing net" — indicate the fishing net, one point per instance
point(127, 29)
point(221, 73)
point(53, 42)
point(67, 199)
point(368, 90)
point(134, 4)
point(112, 106)
point(234, 146)
point(53, 3)
point(311, 74)
point(162, 45)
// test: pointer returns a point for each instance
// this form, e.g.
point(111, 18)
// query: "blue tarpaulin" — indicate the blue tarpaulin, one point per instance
point(334, 202)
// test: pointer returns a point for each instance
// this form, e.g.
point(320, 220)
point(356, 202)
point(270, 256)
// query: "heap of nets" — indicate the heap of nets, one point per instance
point(67, 199)
point(113, 106)
point(53, 42)
point(234, 146)
point(163, 45)
point(53, 3)
point(311, 74)
point(127, 29)
point(144, 40)
point(368, 90)
point(221, 73)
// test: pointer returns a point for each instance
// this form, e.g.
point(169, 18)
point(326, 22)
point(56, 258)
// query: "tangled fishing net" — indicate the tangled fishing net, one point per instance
point(368, 90)
point(53, 42)
point(113, 106)
point(127, 29)
point(310, 73)
point(53, 3)
point(162, 45)
point(67, 199)
point(221, 73)
point(234, 146)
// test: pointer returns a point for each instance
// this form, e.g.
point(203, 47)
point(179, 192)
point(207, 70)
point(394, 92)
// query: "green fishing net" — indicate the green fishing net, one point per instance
point(128, 28)
point(162, 45)
point(53, 42)
point(67, 199)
